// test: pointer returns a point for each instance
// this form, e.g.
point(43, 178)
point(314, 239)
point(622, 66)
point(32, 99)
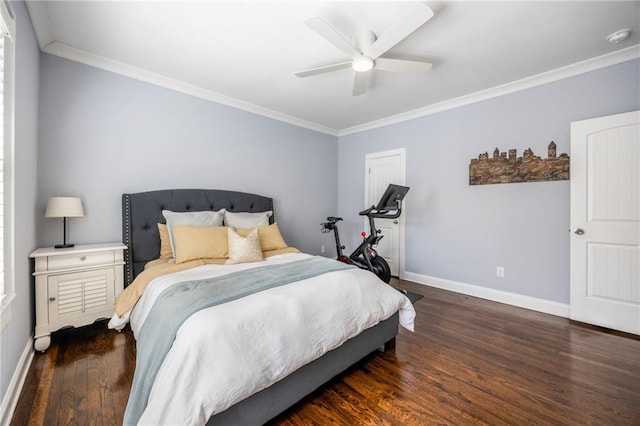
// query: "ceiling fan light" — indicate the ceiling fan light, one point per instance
point(362, 64)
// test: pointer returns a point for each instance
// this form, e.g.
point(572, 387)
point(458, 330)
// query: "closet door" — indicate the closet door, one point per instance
point(383, 168)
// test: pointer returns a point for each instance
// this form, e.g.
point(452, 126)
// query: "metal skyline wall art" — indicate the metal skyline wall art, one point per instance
point(509, 168)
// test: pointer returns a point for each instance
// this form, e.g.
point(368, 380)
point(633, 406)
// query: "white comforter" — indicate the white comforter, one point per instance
point(228, 352)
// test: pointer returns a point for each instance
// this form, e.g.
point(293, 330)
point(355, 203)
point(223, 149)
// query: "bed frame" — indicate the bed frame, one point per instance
point(140, 214)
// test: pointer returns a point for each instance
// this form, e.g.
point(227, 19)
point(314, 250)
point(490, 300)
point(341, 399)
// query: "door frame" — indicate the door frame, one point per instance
point(402, 153)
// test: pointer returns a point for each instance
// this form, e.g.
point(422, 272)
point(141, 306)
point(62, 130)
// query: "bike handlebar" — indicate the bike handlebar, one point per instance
point(367, 211)
point(382, 214)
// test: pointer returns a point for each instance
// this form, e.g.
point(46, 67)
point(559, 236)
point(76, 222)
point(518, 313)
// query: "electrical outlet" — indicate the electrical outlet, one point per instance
point(322, 249)
point(500, 271)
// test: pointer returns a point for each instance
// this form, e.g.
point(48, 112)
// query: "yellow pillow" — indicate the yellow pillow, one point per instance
point(200, 242)
point(270, 237)
point(165, 245)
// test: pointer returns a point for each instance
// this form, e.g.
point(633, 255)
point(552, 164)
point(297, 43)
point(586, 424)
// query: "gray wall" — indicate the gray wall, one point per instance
point(459, 232)
point(102, 134)
point(17, 333)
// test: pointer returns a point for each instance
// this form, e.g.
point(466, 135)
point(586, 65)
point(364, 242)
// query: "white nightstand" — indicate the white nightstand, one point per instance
point(75, 286)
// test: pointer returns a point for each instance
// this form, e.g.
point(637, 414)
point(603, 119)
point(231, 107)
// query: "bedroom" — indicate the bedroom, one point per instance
point(92, 148)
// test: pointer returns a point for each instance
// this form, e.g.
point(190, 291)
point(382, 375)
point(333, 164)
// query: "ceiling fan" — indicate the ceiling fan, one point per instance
point(366, 51)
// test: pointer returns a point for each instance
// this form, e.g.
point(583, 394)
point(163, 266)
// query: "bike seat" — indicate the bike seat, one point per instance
point(334, 219)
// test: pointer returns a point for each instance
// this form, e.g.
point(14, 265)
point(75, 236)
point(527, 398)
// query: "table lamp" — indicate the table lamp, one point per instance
point(64, 207)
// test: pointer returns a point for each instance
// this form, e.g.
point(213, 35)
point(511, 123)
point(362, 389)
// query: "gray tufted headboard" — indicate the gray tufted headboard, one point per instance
point(143, 210)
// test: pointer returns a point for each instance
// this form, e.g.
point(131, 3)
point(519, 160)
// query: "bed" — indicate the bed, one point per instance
point(142, 212)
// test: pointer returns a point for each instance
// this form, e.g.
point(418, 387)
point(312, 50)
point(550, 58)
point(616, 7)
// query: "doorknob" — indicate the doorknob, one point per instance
point(395, 222)
point(579, 231)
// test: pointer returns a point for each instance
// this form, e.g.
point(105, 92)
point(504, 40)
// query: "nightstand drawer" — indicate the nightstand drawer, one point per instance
point(79, 260)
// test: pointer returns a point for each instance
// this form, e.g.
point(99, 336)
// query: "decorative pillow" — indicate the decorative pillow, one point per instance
point(165, 243)
point(204, 218)
point(200, 242)
point(244, 249)
point(270, 237)
point(247, 220)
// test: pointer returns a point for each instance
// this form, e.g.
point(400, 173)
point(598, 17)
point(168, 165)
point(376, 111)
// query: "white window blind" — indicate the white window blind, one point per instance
point(2, 179)
point(7, 81)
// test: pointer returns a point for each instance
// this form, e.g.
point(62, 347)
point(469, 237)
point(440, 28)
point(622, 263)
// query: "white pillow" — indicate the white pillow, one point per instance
point(244, 249)
point(247, 220)
point(204, 218)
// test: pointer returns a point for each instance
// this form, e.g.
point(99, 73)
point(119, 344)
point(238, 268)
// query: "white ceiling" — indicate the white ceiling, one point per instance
point(245, 53)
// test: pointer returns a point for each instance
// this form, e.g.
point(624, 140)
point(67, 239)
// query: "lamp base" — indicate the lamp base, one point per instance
point(63, 246)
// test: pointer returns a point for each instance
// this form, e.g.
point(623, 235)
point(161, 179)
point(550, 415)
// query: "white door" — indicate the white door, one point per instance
point(605, 221)
point(383, 168)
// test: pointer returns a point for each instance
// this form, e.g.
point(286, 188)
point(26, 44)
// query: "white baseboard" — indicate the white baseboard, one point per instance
point(10, 399)
point(519, 300)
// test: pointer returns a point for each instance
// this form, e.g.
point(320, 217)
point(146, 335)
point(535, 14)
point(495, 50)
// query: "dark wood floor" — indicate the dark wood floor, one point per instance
point(470, 361)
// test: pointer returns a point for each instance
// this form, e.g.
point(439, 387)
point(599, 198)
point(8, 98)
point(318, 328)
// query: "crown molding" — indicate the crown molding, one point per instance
point(40, 22)
point(46, 40)
point(67, 52)
point(39, 15)
point(613, 58)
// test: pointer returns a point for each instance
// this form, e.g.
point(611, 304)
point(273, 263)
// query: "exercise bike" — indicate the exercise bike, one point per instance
point(365, 256)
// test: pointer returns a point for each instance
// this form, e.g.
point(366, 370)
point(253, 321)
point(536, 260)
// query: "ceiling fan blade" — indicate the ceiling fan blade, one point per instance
point(399, 65)
point(322, 70)
point(361, 83)
point(410, 22)
point(332, 35)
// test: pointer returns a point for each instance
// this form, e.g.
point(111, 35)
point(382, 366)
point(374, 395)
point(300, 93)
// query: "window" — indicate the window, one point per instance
point(7, 65)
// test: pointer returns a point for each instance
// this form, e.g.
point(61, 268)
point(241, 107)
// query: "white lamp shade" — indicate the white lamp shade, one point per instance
point(64, 207)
